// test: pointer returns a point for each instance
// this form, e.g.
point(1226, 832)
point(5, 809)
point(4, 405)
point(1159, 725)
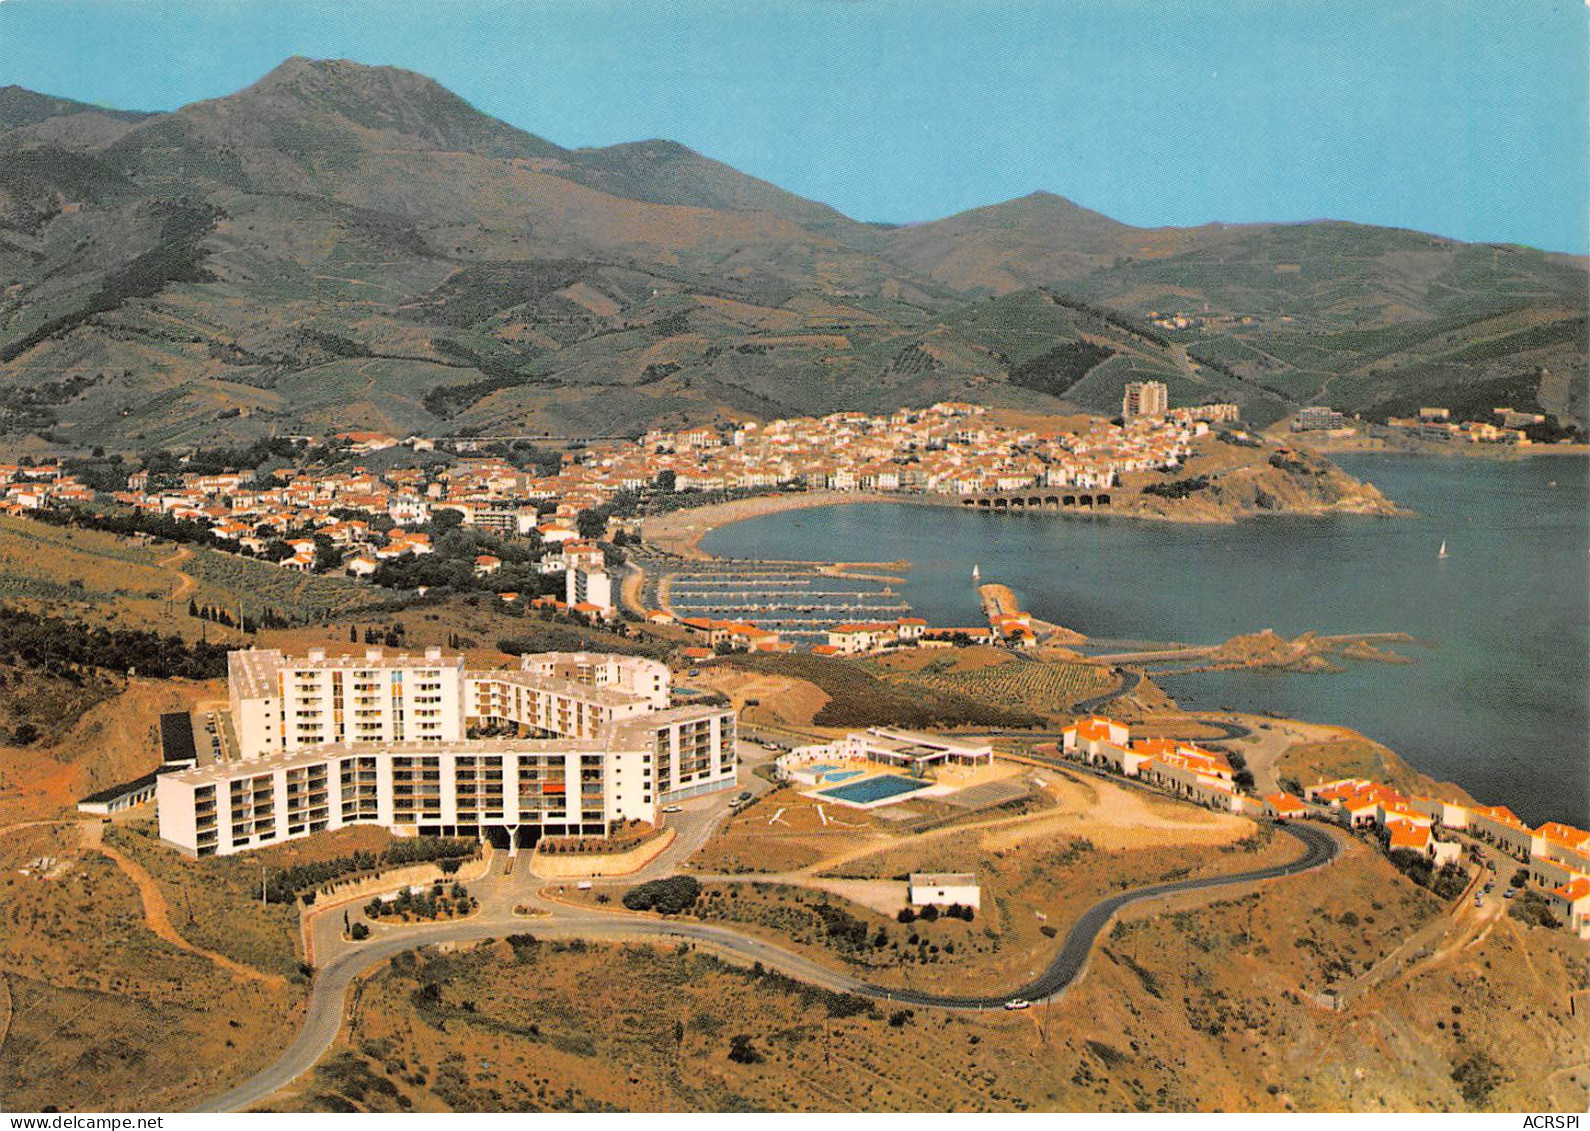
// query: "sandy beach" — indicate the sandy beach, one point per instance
point(680, 532)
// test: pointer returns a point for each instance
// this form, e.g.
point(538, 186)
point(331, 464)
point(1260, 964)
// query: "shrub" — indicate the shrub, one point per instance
point(359, 932)
point(1531, 907)
point(742, 1051)
point(1178, 488)
point(668, 896)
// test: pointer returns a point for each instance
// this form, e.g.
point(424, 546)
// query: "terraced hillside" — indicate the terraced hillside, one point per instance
point(345, 246)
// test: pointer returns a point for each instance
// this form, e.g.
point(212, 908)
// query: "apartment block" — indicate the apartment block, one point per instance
point(567, 744)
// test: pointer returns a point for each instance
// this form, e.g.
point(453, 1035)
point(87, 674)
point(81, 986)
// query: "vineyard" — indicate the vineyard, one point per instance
point(857, 698)
point(230, 579)
point(1046, 686)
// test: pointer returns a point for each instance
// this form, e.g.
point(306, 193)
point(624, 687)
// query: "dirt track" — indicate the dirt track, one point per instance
point(157, 913)
point(186, 586)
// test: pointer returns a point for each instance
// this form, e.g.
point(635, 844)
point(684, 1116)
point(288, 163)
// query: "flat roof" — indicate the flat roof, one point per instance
point(116, 792)
point(918, 745)
point(314, 755)
point(256, 668)
point(607, 696)
point(943, 879)
point(176, 737)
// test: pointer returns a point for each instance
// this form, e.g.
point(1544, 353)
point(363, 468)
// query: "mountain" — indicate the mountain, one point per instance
point(1036, 240)
point(339, 245)
point(20, 107)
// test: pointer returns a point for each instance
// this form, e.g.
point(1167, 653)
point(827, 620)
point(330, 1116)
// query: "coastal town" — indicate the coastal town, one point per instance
point(374, 508)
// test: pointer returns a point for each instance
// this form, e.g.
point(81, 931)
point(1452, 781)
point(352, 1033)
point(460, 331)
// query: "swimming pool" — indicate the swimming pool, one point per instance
point(842, 775)
point(820, 768)
point(874, 789)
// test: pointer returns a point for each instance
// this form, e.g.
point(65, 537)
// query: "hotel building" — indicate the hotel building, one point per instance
point(567, 744)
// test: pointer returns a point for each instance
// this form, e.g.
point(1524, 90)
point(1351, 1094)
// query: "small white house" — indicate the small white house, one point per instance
point(945, 889)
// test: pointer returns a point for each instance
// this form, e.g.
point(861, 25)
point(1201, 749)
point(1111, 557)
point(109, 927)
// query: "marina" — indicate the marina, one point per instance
point(800, 601)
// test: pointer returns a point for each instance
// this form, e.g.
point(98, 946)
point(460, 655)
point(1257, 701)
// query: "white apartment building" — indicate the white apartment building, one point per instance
point(1144, 398)
point(282, 703)
point(579, 743)
point(584, 586)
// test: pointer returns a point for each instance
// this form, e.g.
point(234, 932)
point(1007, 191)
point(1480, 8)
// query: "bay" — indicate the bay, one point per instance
point(1498, 700)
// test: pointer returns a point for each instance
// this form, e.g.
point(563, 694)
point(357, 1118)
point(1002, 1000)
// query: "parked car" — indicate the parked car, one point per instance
point(1509, 893)
point(1018, 1003)
point(673, 808)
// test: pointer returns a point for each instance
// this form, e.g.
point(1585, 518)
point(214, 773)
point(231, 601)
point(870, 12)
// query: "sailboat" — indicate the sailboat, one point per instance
point(976, 573)
point(1443, 553)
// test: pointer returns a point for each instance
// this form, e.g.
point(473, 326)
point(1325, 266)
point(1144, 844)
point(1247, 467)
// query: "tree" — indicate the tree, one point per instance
point(327, 556)
point(742, 1051)
point(592, 522)
point(667, 480)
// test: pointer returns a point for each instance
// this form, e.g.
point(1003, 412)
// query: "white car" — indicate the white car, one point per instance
point(1018, 1003)
point(673, 808)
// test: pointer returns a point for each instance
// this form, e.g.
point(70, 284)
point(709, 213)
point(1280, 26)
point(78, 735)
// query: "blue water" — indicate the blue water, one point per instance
point(874, 789)
point(1496, 701)
point(842, 775)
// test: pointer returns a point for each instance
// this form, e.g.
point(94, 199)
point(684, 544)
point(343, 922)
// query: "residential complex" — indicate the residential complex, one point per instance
point(1557, 855)
point(567, 744)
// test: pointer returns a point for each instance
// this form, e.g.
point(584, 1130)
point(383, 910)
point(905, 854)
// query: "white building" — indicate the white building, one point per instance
point(905, 749)
point(583, 742)
point(284, 703)
point(584, 586)
point(1144, 398)
point(945, 889)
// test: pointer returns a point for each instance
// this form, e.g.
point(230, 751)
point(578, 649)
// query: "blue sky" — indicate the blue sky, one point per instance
point(1469, 119)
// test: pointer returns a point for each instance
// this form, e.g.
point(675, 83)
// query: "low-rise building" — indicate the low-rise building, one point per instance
point(944, 889)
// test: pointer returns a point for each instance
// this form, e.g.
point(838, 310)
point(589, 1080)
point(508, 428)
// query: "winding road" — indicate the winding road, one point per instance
point(1129, 681)
point(328, 995)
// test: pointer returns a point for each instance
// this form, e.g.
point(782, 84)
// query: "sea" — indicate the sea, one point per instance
point(1497, 697)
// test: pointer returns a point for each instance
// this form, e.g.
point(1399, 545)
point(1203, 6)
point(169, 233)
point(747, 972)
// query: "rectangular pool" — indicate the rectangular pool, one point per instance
point(873, 790)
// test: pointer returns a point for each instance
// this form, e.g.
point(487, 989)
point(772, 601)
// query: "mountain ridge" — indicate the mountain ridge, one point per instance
point(357, 246)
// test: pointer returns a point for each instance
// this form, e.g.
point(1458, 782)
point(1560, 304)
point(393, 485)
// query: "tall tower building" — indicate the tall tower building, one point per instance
point(1145, 398)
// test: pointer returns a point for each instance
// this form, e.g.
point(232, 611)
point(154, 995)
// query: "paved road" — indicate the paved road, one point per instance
point(328, 995)
point(1129, 681)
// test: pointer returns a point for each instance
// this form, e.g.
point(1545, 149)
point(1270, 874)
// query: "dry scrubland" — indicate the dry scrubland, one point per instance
point(104, 1013)
point(1332, 752)
point(215, 902)
point(832, 891)
point(113, 741)
point(1192, 1005)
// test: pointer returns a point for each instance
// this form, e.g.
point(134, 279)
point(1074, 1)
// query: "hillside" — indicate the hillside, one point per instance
point(340, 245)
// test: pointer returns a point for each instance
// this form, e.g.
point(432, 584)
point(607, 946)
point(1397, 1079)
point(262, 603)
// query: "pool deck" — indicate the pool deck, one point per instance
point(946, 781)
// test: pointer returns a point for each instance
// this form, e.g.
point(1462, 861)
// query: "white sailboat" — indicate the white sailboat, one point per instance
point(976, 573)
point(1443, 553)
